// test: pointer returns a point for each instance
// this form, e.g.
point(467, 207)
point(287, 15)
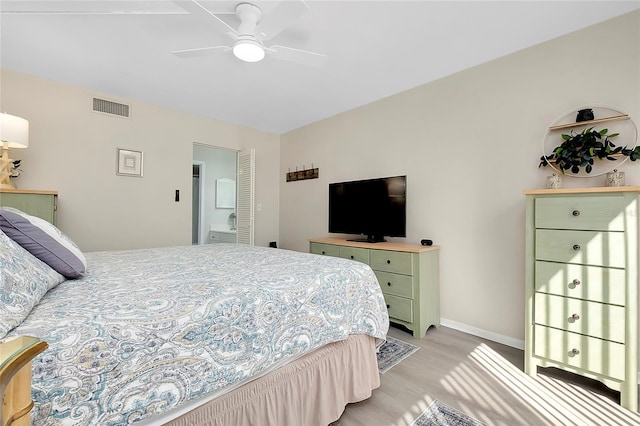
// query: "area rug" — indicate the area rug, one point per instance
point(392, 352)
point(440, 414)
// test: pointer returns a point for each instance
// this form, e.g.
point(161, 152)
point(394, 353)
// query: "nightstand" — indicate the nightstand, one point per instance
point(15, 378)
point(42, 204)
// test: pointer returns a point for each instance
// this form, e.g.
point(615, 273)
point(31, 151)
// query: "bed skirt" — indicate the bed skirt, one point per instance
point(312, 390)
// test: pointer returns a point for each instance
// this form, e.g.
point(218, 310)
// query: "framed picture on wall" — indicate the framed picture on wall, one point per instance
point(129, 163)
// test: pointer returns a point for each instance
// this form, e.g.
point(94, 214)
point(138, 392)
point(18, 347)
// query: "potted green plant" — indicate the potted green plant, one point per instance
point(580, 149)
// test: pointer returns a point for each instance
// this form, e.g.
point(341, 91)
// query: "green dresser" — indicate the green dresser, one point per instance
point(581, 285)
point(408, 275)
point(42, 204)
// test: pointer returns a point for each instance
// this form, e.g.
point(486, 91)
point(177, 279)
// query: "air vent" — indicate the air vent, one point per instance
point(109, 107)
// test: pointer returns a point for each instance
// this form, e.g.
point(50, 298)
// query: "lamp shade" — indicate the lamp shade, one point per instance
point(14, 131)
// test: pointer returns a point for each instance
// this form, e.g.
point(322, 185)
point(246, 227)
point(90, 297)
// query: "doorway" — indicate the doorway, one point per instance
point(211, 217)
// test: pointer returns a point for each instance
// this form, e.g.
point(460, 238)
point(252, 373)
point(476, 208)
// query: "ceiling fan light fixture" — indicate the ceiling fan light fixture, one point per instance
point(248, 50)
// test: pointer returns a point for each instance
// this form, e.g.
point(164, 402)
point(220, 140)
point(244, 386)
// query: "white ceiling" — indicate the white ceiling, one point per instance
point(374, 49)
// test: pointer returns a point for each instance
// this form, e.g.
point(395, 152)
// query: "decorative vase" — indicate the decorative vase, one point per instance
point(553, 181)
point(584, 115)
point(615, 178)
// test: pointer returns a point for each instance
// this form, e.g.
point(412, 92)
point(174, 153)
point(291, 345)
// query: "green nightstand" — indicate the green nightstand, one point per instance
point(42, 204)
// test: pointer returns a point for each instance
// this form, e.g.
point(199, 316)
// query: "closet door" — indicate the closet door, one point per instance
point(246, 187)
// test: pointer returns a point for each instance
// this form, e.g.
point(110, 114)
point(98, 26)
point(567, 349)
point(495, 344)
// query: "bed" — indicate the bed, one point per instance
point(216, 334)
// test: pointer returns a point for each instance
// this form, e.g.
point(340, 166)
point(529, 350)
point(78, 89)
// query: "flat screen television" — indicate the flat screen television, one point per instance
point(372, 208)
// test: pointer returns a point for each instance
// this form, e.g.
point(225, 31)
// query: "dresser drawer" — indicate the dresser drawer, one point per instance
point(595, 355)
point(595, 213)
point(580, 316)
point(396, 284)
point(391, 261)
point(583, 247)
point(606, 285)
point(355, 253)
point(399, 307)
point(325, 249)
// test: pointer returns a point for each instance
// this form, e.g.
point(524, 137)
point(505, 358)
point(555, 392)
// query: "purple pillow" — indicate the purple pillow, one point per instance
point(44, 241)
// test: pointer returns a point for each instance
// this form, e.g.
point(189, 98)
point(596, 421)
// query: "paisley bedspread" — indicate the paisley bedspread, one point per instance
point(147, 330)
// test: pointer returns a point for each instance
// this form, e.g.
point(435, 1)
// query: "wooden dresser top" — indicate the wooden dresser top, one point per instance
point(411, 248)
point(29, 191)
point(582, 190)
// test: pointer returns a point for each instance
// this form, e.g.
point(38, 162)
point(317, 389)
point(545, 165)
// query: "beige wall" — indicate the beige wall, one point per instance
point(73, 150)
point(470, 144)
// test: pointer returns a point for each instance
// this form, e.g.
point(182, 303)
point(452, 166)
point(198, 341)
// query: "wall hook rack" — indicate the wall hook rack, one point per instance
point(303, 174)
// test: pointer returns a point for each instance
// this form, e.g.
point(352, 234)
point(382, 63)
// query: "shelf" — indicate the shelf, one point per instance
point(617, 155)
point(582, 190)
point(583, 123)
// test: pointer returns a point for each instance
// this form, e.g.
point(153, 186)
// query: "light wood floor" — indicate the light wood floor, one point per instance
point(486, 381)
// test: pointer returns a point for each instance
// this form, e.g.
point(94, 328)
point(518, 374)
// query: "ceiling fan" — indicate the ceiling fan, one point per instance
point(254, 29)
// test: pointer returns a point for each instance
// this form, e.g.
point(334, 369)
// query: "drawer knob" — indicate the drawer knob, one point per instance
point(351, 256)
point(388, 306)
point(575, 282)
point(575, 351)
point(323, 252)
point(575, 317)
point(389, 284)
point(576, 212)
point(576, 247)
point(388, 262)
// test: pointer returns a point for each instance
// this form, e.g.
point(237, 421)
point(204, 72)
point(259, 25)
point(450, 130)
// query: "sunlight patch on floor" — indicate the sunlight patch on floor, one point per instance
point(554, 400)
point(524, 388)
point(484, 379)
point(416, 409)
point(596, 408)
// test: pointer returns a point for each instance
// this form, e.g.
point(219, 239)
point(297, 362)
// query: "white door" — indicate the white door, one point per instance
point(246, 187)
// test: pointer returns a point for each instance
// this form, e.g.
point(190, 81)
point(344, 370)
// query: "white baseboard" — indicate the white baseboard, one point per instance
point(489, 335)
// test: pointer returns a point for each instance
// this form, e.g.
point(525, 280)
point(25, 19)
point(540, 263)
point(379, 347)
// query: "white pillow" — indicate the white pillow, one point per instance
point(44, 241)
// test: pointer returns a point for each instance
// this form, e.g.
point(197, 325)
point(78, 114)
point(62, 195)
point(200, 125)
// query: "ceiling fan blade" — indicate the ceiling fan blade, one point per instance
point(281, 17)
point(201, 51)
point(290, 54)
point(199, 11)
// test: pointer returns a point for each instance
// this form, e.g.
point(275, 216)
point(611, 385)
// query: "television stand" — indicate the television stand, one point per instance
point(407, 273)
